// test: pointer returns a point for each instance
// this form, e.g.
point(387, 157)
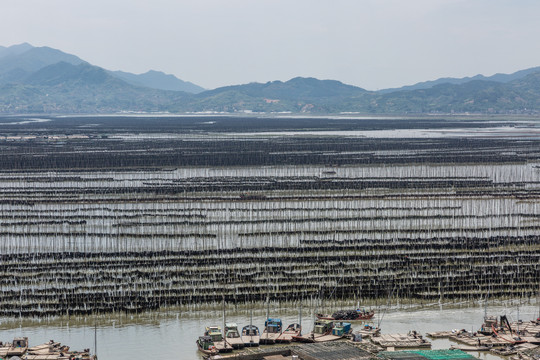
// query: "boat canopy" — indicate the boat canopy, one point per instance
point(272, 321)
point(273, 325)
point(250, 330)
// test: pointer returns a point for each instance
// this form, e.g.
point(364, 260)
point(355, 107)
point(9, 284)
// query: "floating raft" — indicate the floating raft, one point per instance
point(531, 354)
point(479, 340)
point(46, 357)
point(425, 355)
point(511, 350)
point(440, 334)
point(410, 340)
point(531, 327)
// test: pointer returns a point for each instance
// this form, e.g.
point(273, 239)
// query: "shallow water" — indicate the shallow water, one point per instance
point(172, 335)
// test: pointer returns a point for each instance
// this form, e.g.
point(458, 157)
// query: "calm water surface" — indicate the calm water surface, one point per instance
point(172, 335)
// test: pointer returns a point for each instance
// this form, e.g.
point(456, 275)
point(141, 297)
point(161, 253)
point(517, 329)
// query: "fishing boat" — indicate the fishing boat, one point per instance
point(369, 330)
point(232, 336)
point(4, 347)
point(490, 322)
point(217, 338)
point(287, 335)
point(206, 345)
point(251, 335)
point(272, 330)
point(349, 315)
point(18, 347)
point(321, 328)
point(342, 329)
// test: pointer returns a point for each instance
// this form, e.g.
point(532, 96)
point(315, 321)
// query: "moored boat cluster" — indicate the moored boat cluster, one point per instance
point(52, 350)
point(326, 328)
point(496, 335)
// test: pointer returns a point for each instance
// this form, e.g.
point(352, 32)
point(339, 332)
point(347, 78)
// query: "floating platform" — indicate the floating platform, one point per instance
point(512, 350)
point(440, 334)
point(48, 351)
point(410, 340)
point(531, 327)
point(478, 340)
point(530, 354)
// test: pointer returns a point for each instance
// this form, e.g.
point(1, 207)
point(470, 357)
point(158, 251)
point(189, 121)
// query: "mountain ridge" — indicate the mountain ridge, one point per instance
point(498, 77)
point(158, 80)
point(78, 87)
point(82, 88)
point(20, 60)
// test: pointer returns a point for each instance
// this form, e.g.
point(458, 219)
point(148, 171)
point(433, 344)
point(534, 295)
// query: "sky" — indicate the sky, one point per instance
point(373, 44)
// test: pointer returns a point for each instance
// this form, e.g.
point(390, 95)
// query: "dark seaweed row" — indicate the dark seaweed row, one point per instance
point(461, 268)
point(106, 153)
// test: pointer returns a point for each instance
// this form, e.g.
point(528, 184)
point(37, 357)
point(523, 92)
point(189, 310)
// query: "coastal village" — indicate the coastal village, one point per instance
point(350, 334)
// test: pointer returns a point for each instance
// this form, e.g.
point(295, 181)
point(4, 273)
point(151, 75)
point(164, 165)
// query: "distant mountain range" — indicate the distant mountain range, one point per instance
point(46, 80)
point(502, 78)
point(18, 61)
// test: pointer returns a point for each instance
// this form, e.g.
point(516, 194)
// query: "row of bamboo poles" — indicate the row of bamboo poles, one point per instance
point(91, 241)
point(141, 213)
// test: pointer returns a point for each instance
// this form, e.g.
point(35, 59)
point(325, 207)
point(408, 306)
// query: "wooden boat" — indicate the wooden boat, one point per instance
point(251, 335)
point(463, 347)
point(232, 336)
point(55, 351)
point(206, 345)
point(342, 329)
point(47, 348)
point(18, 347)
point(368, 330)
point(4, 349)
point(217, 338)
point(322, 328)
point(348, 315)
point(287, 335)
point(272, 330)
point(490, 322)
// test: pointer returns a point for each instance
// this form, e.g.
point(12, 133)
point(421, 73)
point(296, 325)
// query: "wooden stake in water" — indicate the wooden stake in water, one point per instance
point(300, 318)
point(95, 337)
point(224, 333)
point(267, 306)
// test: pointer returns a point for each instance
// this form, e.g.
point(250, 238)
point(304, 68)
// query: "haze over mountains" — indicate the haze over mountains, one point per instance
point(46, 80)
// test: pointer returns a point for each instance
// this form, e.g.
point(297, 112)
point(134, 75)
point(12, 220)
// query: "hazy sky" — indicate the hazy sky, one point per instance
point(373, 44)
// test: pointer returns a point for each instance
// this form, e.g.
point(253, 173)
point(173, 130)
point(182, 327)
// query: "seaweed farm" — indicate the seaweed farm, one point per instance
point(131, 214)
